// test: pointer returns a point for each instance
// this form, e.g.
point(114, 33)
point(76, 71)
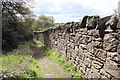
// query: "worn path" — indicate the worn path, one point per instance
point(49, 69)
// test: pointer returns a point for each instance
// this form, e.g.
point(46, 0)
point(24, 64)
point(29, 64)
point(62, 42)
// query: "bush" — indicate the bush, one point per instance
point(42, 23)
point(15, 29)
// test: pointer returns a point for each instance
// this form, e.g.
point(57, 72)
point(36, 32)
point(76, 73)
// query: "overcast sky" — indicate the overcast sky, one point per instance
point(73, 10)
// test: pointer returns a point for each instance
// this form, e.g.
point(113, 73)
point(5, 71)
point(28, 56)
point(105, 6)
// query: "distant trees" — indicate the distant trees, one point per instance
point(43, 22)
point(17, 19)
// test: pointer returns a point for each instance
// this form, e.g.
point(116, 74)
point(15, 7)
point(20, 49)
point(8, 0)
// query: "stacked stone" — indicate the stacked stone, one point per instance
point(93, 46)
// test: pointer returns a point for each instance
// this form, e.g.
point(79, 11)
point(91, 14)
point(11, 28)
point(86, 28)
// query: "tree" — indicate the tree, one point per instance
point(43, 22)
point(16, 23)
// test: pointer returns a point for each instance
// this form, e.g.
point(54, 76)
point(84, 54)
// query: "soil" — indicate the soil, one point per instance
point(49, 69)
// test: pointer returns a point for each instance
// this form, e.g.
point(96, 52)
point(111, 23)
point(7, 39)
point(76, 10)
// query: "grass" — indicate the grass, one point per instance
point(19, 63)
point(25, 48)
point(56, 57)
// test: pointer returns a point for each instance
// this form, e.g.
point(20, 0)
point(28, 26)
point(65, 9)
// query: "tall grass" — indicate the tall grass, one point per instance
point(25, 48)
point(19, 63)
point(19, 67)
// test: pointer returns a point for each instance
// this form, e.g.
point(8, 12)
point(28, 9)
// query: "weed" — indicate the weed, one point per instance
point(57, 57)
point(20, 66)
point(19, 63)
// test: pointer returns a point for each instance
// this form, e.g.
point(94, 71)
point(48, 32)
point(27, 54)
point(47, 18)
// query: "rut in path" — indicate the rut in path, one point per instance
point(49, 69)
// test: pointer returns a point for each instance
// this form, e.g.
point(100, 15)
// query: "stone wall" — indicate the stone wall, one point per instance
point(92, 45)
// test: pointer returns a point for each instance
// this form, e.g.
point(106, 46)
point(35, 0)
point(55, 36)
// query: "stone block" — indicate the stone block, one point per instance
point(101, 54)
point(77, 37)
point(71, 40)
point(83, 31)
point(91, 38)
point(103, 77)
point(118, 24)
point(59, 34)
point(76, 48)
point(98, 39)
point(77, 59)
point(90, 47)
point(72, 45)
point(113, 78)
point(104, 73)
point(92, 22)
point(56, 43)
point(81, 55)
point(83, 68)
point(97, 65)
point(83, 46)
point(74, 55)
point(110, 47)
point(68, 55)
point(72, 60)
point(110, 44)
point(98, 44)
point(118, 48)
point(93, 74)
point(72, 34)
point(88, 62)
point(114, 56)
point(94, 33)
point(111, 65)
point(91, 57)
point(84, 39)
point(111, 23)
point(116, 35)
point(114, 73)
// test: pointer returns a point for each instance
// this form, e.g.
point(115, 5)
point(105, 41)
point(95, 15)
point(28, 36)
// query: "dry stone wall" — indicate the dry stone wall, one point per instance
point(93, 45)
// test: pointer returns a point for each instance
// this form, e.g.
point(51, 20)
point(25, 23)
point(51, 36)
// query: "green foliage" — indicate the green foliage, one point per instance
point(57, 57)
point(19, 67)
point(25, 48)
point(42, 23)
point(19, 63)
point(16, 24)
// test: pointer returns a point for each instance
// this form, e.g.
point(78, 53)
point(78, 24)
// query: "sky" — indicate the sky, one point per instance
point(73, 10)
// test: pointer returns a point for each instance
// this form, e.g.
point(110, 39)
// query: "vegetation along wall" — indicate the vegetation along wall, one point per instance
point(93, 45)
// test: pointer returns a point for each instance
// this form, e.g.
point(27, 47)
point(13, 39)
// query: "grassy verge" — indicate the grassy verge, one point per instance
point(19, 63)
point(25, 48)
point(56, 57)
